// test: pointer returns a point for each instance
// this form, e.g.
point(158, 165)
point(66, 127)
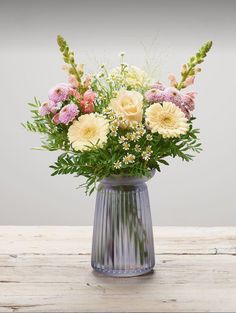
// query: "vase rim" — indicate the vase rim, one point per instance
point(122, 179)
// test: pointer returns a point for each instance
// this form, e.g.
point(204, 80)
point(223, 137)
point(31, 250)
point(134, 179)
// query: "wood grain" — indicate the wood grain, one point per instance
point(47, 269)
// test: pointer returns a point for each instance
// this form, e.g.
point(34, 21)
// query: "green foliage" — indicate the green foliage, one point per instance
point(97, 163)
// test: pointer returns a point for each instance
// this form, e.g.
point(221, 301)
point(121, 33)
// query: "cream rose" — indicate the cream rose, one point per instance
point(129, 104)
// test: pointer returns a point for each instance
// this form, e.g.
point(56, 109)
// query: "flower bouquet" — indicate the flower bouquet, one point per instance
point(116, 128)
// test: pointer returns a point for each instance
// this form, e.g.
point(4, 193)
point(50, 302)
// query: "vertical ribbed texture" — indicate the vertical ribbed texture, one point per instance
point(122, 234)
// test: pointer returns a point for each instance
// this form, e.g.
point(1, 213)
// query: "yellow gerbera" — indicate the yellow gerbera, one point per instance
point(166, 119)
point(87, 131)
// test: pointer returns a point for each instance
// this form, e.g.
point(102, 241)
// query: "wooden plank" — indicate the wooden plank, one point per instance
point(180, 283)
point(47, 269)
point(77, 240)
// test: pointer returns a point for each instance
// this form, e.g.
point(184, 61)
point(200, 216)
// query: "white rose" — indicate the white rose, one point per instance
point(129, 104)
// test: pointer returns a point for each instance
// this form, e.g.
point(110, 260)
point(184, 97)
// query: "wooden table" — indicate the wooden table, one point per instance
point(47, 269)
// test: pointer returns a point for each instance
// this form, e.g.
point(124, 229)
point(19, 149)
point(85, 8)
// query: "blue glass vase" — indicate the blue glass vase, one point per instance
point(122, 234)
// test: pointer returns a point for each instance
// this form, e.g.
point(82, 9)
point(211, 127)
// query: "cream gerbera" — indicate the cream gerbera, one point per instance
point(87, 131)
point(166, 119)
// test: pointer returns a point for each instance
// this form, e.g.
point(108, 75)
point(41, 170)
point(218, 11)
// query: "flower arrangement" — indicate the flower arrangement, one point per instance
point(117, 121)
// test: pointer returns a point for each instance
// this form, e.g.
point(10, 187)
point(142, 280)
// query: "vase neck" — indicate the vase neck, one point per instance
point(119, 180)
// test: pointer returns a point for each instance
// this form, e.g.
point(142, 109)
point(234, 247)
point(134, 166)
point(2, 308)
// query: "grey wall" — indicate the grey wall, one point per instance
point(168, 32)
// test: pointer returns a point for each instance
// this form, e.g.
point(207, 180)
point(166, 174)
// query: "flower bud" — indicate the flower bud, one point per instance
point(189, 81)
point(184, 68)
point(172, 79)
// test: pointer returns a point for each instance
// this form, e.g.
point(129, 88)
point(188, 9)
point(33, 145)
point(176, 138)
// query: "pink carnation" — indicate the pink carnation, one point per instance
point(48, 107)
point(186, 111)
point(68, 114)
point(59, 93)
point(189, 100)
point(188, 103)
point(154, 95)
point(173, 95)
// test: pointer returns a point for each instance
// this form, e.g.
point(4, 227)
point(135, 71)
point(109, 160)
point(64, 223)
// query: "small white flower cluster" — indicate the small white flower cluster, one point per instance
point(137, 148)
point(146, 155)
point(117, 165)
point(114, 120)
point(129, 158)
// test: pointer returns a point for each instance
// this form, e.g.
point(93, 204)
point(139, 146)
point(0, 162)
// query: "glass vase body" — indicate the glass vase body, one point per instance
point(122, 234)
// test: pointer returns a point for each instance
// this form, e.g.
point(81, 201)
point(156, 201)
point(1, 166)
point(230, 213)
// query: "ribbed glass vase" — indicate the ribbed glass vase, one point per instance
point(122, 233)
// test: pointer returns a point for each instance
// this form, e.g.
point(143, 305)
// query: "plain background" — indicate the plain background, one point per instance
point(165, 32)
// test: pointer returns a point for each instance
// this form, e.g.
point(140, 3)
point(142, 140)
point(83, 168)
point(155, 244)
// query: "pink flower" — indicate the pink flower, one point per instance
point(87, 107)
point(87, 81)
point(68, 113)
point(44, 109)
point(59, 93)
point(189, 100)
point(158, 85)
point(188, 103)
point(89, 96)
point(48, 107)
point(73, 81)
point(154, 95)
point(75, 94)
point(87, 104)
point(55, 119)
point(189, 81)
point(186, 112)
point(172, 79)
point(173, 95)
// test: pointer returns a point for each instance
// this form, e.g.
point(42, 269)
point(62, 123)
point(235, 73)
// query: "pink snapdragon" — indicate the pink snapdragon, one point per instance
point(87, 103)
point(189, 81)
point(75, 94)
point(172, 79)
point(59, 93)
point(73, 81)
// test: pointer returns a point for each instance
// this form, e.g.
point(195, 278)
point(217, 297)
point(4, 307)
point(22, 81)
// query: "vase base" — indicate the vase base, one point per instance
point(123, 273)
